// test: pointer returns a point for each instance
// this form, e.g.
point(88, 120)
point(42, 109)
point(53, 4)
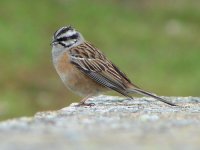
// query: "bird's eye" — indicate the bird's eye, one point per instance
point(62, 39)
point(75, 36)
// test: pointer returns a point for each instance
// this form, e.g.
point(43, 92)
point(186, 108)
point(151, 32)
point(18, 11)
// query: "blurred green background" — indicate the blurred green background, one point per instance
point(155, 42)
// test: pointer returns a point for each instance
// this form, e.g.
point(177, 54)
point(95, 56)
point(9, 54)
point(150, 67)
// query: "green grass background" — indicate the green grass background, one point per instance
point(155, 42)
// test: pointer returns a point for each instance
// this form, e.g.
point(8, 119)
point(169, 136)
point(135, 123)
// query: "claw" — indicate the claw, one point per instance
point(85, 104)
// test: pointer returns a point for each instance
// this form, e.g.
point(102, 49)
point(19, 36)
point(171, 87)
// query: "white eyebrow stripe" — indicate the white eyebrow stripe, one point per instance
point(67, 34)
point(70, 33)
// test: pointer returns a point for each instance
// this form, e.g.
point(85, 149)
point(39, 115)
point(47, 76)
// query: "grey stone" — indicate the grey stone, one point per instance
point(113, 123)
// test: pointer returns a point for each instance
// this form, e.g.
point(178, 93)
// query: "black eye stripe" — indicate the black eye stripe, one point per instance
point(75, 36)
point(63, 39)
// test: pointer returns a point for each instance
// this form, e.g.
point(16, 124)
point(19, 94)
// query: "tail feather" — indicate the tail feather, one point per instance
point(140, 91)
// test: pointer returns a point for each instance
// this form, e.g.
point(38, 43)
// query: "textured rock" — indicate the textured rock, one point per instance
point(113, 123)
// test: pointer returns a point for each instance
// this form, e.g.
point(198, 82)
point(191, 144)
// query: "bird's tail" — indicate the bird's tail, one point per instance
point(140, 91)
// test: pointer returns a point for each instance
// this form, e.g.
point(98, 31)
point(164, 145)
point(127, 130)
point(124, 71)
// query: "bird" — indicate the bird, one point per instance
point(86, 71)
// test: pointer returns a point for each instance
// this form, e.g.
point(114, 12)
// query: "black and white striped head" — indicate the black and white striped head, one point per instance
point(67, 37)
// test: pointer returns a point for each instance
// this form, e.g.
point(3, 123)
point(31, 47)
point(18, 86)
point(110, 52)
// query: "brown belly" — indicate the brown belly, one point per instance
point(75, 80)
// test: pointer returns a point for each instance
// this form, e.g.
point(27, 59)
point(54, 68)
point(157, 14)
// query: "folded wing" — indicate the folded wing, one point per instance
point(94, 64)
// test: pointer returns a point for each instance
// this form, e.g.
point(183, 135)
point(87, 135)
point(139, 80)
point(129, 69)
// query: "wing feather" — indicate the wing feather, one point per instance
point(94, 64)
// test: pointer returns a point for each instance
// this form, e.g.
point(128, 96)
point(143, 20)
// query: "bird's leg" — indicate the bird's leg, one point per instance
point(82, 102)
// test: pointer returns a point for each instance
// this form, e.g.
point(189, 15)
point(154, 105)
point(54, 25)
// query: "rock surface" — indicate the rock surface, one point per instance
point(113, 123)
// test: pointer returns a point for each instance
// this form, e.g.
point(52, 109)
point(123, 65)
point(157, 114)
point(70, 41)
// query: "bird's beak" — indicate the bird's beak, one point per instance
point(53, 42)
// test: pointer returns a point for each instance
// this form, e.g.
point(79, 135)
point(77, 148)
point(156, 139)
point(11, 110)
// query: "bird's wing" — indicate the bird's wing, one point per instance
point(94, 64)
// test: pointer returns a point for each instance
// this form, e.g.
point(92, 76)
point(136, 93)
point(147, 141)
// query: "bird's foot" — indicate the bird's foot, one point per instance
point(85, 104)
